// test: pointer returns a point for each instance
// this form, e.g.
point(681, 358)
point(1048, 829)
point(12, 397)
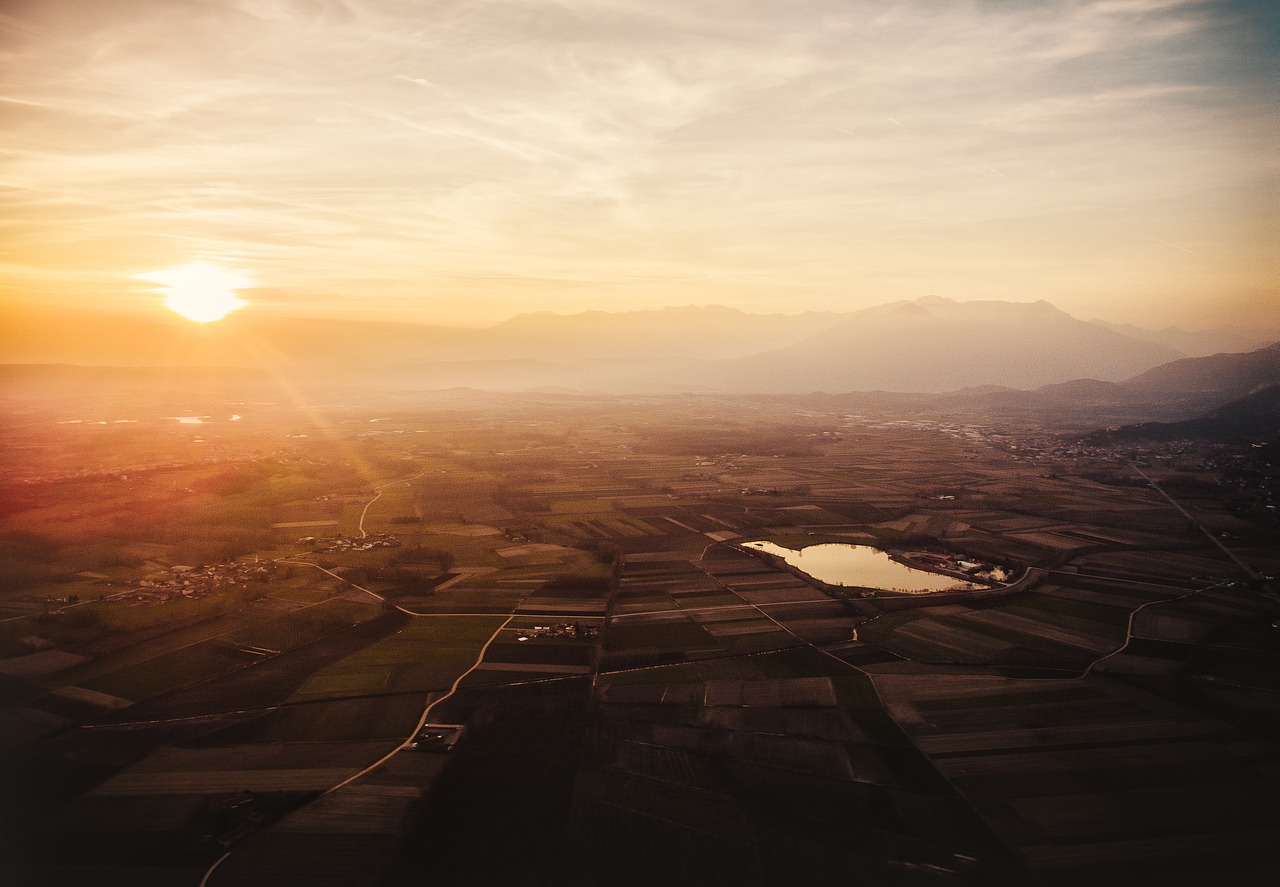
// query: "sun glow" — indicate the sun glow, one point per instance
point(200, 292)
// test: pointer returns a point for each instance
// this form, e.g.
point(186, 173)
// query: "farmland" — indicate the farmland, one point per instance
point(224, 647)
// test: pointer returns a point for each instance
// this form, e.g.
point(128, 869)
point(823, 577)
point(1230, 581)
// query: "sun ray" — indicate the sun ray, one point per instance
point(283, 374)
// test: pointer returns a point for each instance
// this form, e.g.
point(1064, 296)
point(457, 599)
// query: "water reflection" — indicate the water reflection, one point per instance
point(862, 566)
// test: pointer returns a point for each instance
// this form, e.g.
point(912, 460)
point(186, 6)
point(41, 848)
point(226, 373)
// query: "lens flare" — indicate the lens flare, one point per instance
point(200, 292)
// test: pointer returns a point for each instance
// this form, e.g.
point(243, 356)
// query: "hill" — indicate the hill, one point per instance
point(1254, 419)
point(1222, 374)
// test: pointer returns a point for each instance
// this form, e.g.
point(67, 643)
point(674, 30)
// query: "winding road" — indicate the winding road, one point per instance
point(377, 494)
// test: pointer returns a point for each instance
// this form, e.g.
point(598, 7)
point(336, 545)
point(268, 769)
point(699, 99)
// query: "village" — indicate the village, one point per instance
point(181, 580)
point(591, 596)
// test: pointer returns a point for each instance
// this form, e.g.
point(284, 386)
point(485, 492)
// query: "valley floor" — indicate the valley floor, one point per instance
point(644, 702)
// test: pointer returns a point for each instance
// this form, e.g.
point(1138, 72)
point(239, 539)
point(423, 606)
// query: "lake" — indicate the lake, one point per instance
point(842, 563)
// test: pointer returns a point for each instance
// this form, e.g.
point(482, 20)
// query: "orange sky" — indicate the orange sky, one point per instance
point(465, 161)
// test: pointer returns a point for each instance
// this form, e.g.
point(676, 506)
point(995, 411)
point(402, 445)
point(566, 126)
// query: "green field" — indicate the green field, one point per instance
point(428, 654)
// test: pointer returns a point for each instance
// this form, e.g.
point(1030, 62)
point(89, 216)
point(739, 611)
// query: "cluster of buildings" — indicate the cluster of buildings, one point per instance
point(351, 543)
point(559, 630)
point(185, 581)
point(957, 564)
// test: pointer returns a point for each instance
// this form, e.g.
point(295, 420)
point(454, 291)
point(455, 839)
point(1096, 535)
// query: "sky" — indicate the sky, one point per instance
point(461, 162)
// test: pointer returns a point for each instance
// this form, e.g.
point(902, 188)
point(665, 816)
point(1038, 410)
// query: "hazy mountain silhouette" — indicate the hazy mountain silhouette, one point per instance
point(1190, 343)
point(1087, 402)
point(936, 344)
point(1179, 390)
point(1221, 374)
point(930, 344)
point(1254, 418)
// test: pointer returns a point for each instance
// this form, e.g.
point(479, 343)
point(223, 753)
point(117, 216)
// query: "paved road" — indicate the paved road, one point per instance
point(378, 495)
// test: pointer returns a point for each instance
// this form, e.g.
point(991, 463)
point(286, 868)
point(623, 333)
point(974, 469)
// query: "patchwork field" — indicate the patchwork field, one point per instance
point(238, 656)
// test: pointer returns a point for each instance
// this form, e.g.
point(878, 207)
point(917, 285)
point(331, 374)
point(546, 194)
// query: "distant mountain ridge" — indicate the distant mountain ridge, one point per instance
point(927, 345)
point(1178, 390)
point(1192, 343)
point(937, 344)
point(1254, 418)
point(931, 344)
point(1236, 374)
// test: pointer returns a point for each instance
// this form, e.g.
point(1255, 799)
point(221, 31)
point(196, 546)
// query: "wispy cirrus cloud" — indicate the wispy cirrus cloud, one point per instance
point(819, 154)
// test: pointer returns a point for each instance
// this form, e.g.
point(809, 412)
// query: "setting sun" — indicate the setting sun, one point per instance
point(200, 292)
point(836, 440)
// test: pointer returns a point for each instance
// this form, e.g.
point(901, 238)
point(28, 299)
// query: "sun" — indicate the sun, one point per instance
point(200, 292)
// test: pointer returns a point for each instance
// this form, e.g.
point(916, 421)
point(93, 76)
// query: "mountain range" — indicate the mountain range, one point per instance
point(1253, 418)
point(929, 345)
point(1188, 396)
point(1197, 343)
point(936, 344)
point(1185, 389)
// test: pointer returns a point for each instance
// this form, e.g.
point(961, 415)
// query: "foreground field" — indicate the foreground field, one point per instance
point(563, 579)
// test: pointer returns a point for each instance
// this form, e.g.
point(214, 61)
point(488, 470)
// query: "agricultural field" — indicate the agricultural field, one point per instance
point(232, 654)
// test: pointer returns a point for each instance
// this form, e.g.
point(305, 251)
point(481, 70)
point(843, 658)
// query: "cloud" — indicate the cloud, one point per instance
point(820, 146)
